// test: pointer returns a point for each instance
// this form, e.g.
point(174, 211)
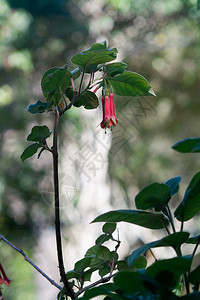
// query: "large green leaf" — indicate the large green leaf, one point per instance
point(38, 107)
point(131, 84)
point(155, 195)
point(193, 296)
point(141, 218)
point(55, 81)
point(105, 289)
point(193, 240)
point(87, 99)
point(173, 184)
point(39, 134)
point(190, 205)
point(115, 68)
point(129, 282)
point(188, 145)
point(194, 276)
point(30, 151)
point(96, 54)
point(173, 240)
point(169, 270)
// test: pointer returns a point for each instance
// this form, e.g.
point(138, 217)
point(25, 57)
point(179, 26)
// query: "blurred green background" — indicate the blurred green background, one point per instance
point(158, 39)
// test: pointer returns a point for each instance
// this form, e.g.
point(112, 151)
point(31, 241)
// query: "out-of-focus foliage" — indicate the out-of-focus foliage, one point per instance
point(159, 39)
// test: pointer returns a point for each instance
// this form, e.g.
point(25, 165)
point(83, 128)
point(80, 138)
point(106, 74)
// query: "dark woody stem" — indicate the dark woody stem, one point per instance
point(68, 291)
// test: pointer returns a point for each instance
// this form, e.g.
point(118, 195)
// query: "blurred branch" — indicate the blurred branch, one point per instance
point(30, 262)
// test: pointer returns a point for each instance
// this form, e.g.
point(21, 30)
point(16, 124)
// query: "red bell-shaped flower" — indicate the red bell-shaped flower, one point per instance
point(3, 279)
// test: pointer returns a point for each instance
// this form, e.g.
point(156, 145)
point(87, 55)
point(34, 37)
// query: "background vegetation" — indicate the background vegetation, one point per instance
point(157, 39)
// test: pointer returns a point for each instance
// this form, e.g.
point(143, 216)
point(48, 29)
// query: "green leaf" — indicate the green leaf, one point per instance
point(30, 151)
point(87, 99)
point(173, 268)
point(190, 204)
point(91, 252)
point(139, 263)
point(82, 264)
point(54, 82)
point(115, 68)
point(39, 134)
point(173, 240)
point(75, 73)
point(193, 296)
point(38, 107)
point(129, 282)
point(61, 295)
point(104, 289)
point(72, 274)
point(141, 218)
point(96, 54)
point(155, 195)
point(109, 228)
point(173, 184)
point(131, 84)
point(102, 239)
point(191, 145)
point(104, 271)
point(193, 240)
point(194, 276)
point(103, 253)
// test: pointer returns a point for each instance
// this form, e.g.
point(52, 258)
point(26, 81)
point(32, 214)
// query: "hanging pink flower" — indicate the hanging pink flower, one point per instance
point(106, 112)
point(109, 118)
point(3, 279)
point(113, 118)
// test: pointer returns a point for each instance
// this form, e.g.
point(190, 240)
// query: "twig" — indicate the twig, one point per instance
point(81, 82)
point(170, 218)
point(114, 256)
point(195, 248)
point(69, 291)
point(102, 280)
point(30, 262)
point(182, 222)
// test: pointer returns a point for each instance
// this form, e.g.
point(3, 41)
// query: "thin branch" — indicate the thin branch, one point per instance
point(170, 218)
point(182, 222)
point(152, 254)
point(114, 256)
point(102, 280)
point(69, 291)
point(30, 262)
point(81, 82)
point(195, 248)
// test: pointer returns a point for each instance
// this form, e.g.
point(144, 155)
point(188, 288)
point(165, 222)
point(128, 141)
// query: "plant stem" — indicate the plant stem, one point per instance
point(102, 280)
point(170, 218)
point(30, 262)
point(69, 291)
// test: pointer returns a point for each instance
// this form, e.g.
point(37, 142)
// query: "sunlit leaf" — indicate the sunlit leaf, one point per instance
point(115, 68)
point(96, 54)
point(131, 84)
